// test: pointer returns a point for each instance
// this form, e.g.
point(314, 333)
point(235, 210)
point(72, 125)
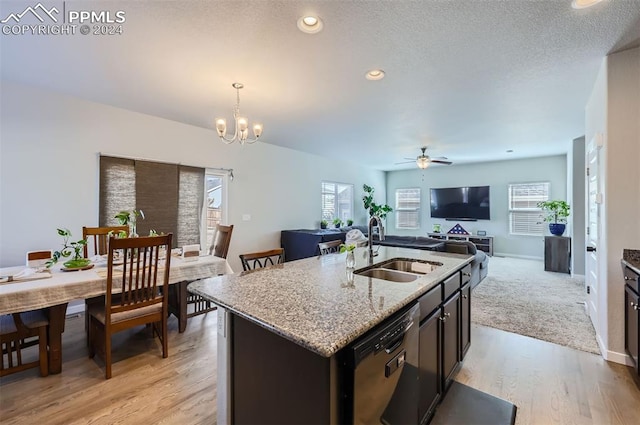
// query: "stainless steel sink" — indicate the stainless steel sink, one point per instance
point(387, 274)
point(409, 265)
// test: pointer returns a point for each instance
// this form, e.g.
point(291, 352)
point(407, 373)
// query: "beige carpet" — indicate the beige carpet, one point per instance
point(519, 296)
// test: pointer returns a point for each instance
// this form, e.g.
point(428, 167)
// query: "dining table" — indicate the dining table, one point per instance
point(52, 291)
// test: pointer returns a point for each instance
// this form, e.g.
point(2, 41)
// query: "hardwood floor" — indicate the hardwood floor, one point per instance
point(550, 384)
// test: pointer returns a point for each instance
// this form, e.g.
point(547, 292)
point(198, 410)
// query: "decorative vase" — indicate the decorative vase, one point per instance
point(351, 260)
point(557, 228)
point(133, 231)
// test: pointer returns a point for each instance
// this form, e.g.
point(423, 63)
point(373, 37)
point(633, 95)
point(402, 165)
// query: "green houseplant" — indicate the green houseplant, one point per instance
point(349, 222)
point(130, 218)
point(556, 214)
point(324, 224)
point(337, 222)
point(70, 249)
point(369, 204)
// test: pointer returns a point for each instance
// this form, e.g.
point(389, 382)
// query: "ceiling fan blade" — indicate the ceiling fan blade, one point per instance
point(411, 159)
point(405, 162)
point(436, 161)
point(444, 158)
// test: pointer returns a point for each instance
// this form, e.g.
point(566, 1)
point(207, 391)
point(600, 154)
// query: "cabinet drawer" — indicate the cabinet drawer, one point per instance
point(465, 274)
point(430, 301)
point(632, 279)
point(450, 285)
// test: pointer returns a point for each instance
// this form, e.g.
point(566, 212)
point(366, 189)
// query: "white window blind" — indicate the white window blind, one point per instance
point(525, 218)
point(337, 201)
point(408, 208)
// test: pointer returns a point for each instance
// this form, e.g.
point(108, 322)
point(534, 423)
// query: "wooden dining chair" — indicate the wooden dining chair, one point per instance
point(330, 247)
point(196, 304)
point(19, 331)
point(141, 301)
point(220, 247)
point(38, 259)
point(257, 260)
point(98, 238)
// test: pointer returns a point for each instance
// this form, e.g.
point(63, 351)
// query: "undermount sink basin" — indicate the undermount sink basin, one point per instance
point(387, 274)
point(409, 265)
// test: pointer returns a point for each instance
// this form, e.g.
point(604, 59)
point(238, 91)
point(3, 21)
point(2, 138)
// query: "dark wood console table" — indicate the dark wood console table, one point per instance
point(557, 254)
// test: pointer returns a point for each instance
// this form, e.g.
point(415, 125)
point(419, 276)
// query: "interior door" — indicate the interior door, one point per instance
point(594, 199)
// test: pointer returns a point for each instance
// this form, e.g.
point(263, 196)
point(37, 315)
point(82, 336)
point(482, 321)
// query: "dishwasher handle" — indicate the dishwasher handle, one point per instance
point(397, 342)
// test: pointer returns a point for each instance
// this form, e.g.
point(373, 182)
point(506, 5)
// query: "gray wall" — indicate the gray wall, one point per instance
point(498, 175)
point(50, 145)
point(577, 194)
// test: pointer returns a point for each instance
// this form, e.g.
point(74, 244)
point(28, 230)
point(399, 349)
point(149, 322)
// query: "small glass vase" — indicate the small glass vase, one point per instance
point(351, 260)
point(133, 231)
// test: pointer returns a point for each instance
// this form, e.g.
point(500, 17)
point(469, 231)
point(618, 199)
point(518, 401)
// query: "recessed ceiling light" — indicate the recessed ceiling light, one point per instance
point(374, 74)
point(509, 150)
point(310, 24)
point(583, 4)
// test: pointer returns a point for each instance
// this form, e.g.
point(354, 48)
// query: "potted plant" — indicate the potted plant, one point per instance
point(557, 213)
point(129, 218)
point(337, 222)
point(349, 249)
point(370, 205)
point(75, 249)
point(324, 224)
point(349, 222)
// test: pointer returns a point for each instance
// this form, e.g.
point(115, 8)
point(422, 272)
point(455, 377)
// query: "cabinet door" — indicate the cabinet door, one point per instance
point(465, 320)
point(631, 320)
point(450, 338)
point(430, 377)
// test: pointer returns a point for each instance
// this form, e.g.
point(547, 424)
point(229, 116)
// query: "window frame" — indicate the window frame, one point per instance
point(399, 210)
point(336, 204)
point(529, 211)
point(224, 214)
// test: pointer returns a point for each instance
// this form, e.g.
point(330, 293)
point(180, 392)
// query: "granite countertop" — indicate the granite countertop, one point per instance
point(312, 302)
point(631, 257)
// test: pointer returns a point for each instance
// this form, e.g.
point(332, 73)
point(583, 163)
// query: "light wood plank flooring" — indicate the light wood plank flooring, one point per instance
point(550, 384)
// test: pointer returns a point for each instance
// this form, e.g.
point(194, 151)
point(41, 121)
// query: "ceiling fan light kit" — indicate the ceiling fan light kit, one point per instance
point(241, 133)
point(583, 4)
point(423, 160)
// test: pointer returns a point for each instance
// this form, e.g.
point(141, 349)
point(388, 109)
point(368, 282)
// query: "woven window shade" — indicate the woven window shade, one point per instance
point(157, 196)
point(117, 188)
point(191, 199)
point(170, 195)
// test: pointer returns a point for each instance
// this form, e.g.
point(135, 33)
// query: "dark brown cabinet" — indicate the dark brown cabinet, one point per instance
point(632, 322)
point(557, 254)
point(450, 339)
point(465, 320)
point(429, 360)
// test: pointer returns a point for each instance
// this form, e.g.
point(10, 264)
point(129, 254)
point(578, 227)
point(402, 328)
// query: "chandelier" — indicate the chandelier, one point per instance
point(241, 133)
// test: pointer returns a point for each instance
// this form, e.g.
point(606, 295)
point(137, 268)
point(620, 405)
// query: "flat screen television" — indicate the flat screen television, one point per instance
point(461, 203)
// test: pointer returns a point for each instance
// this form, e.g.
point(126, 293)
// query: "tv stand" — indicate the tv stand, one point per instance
point(460, 219)
point(483, 243)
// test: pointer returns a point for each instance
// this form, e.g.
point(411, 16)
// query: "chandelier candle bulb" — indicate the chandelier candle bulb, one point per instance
point(241, 133)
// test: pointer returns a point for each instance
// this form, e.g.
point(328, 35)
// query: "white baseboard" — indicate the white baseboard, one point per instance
point(524, 257)
point(613, 356)
point(578, 276)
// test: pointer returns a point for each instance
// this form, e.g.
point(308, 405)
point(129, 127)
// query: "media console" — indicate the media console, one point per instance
point(483, 243)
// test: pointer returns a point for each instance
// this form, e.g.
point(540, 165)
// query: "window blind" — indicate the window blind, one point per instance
point(170, 195)
point(408, 208)
point(525, 218)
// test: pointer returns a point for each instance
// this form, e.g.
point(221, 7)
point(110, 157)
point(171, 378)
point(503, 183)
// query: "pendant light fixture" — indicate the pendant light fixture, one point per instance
point(241, 133)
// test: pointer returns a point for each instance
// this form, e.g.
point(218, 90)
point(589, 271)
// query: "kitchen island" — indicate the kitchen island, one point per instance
point(285, 332)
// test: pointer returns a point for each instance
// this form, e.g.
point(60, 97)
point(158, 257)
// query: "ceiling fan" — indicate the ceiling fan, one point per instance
point(424, 160)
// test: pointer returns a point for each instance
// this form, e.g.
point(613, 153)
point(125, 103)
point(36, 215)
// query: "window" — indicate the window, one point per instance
point(170, 195)
point(215, 197)
point(524, 214)
point(408, 208)
point(337, 201)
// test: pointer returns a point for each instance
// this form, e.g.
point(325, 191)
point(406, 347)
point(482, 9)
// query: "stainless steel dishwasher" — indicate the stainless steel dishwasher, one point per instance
point(383, 384)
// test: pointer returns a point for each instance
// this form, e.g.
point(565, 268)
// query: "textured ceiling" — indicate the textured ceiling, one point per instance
point(470, 79)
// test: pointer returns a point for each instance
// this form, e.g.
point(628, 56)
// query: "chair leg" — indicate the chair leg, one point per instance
point(165, 345)
point(44, 358)
point(107, 354)
point(91, 335)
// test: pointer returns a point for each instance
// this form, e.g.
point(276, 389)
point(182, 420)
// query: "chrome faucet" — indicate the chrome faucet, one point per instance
point(378, 220)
